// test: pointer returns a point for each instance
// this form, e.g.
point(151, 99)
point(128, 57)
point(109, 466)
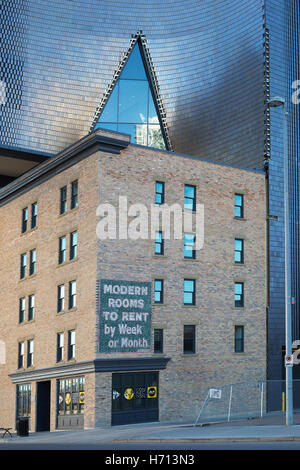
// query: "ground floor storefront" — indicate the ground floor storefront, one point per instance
point(60, 399)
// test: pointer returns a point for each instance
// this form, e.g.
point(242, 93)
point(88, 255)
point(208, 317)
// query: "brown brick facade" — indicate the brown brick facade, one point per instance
point(103, 176)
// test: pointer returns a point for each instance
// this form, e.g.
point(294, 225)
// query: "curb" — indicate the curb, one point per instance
point(214, 439)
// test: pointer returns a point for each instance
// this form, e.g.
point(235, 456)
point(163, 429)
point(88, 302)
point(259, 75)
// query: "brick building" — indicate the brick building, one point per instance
point(202, 313)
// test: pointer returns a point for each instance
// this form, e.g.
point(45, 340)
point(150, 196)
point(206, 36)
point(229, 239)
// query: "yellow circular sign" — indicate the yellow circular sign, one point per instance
point(152, 392)
point(129, 393)
point(68, 398)
point(81, 397)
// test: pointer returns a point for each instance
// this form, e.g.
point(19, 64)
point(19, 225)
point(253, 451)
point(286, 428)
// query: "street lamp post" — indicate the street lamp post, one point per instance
point(277, 101)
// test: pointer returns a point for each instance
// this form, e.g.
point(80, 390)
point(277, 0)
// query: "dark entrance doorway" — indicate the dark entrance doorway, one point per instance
point(134, 398)
point(43, 406)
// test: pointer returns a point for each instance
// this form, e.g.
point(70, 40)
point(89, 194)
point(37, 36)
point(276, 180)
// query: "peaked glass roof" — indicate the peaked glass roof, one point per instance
point(130, 107)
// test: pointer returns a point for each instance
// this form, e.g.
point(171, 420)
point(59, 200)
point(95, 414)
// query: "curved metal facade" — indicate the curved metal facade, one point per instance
point(216, 62)
point(207, 56)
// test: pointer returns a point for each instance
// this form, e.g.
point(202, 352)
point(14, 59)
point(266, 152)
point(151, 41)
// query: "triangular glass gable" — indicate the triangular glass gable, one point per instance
point(130, 107)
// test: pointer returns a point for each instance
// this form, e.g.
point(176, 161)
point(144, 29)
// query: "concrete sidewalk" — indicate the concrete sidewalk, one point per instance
point(267, 429)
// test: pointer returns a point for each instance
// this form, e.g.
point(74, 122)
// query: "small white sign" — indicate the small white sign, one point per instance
point(214, 393)
point(289, 360)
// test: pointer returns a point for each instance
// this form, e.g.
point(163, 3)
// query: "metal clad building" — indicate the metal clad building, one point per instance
point(216, 64)
point(207, 57)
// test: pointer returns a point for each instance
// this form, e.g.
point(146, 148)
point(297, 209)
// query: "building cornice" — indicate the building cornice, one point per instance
point(88, 367)
point(96, 141)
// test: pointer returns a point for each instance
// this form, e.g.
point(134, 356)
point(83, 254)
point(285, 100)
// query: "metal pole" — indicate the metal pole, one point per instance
point(262, 399)
point(229, 408)
point(202, 408)
point(288, 298)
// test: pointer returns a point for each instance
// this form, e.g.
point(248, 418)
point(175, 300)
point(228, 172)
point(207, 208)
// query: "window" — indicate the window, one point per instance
point(20, 355)
point(158, 341)
point(189, 246)
point(34, 215)
point(30, 353)
point(22, 307)
point(158, 291)
point(24, 219)
point(23, 400)
point(60, 298)
point(160, 192)
point(189, 339)
point(189, 292)
point(159, 243)
point(62, 250)
point(238, 339)
point(73, 245)
point(60, 347)
point(71, 344)
point(239, 294)
point(32, 266)
point(72, 294)
point(31, 304)
point(239, 251)
point(63, 200)
point(74, 389)
point(23, 266)
point(239, 206)
point(74, 194)
point(190, 197)
point(130, 107)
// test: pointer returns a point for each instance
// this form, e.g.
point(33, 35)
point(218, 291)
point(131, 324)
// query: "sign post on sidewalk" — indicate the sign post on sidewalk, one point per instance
point(276, 102)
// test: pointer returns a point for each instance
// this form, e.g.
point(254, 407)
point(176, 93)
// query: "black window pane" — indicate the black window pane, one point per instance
point(22, 303)
point(60, 298)
point(74, 194)
point(29, 353)
point(73, 245)
point(62, 250)
point(34, 215)
point(24, 219)
point(71, 344)
point(239, 339)
point(31, 306)
point(189, 339)
point(60, 347)
point(20, 355)
point(23, 266)
point(158, 340)
point(72, 294)
point(63, 200)
point(32, 266)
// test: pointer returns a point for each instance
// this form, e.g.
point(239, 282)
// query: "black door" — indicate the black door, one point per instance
point(43, 406)
point(134, 397)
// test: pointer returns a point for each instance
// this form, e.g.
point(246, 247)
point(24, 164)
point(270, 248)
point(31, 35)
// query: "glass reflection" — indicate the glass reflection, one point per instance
point(133, 97)
point(130, 108)
point(134, 67)
point(109, 113)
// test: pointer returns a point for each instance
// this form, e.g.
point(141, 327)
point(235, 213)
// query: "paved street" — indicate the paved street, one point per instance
point(269, 433)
